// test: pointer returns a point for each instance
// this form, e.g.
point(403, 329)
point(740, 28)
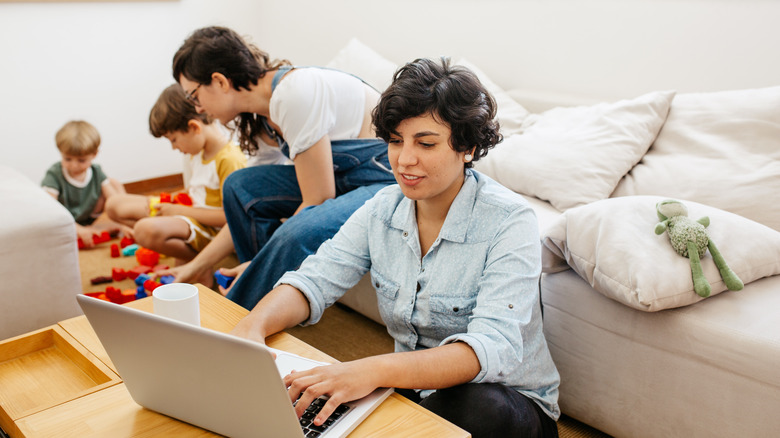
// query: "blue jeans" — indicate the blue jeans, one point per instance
point(256, 198)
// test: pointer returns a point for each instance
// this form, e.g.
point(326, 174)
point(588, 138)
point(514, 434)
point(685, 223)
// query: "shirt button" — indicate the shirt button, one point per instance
point(455, 309)
point(405, 234)
point(511, 306)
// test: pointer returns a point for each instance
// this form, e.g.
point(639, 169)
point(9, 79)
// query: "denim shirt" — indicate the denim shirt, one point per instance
point(478, 283)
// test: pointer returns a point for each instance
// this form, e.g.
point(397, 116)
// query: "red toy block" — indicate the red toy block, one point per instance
point(118, 274)
point(81, 243)
point(126, 241)
point(118, 296)
point(183, 199)
point(115, 250)
point(101, 280)
point(147, 256)
point(165, 197)
point(100, 238)
point(138, 270)
point(98, 295)
point(151, 285)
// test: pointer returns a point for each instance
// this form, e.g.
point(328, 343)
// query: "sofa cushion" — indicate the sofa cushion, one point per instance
point(576, 155)
point(612, 245)
point(721, 149)
point(359, 59)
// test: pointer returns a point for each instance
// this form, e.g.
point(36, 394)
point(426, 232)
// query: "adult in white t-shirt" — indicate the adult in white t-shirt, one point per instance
point(321, 119)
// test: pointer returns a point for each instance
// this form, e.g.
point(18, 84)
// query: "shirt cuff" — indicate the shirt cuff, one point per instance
point(303, 284)
point(489, 361)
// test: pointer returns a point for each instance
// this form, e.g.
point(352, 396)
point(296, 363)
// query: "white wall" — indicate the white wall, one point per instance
point(107, 62)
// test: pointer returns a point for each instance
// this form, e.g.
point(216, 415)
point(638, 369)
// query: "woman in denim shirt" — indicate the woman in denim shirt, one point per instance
point(277, 215)
point(455, 260)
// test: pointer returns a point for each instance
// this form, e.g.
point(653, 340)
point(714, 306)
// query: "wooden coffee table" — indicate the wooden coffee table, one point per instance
point(110, 411)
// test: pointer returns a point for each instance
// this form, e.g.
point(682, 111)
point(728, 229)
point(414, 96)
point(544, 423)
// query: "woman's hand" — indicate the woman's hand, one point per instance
point(342, 382)
point(232, 272)
point(186, 273)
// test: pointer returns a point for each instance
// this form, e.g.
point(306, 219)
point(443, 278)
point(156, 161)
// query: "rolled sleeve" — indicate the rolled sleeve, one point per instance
point(487, 354)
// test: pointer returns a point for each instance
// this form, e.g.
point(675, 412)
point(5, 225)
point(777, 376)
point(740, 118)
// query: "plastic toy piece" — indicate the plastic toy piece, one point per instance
point(147, 256)
point(101, 280)
point(140, 293)
point(138, 270)
point(130, 249)
point(81, 244)
point(98, 295)
point(165, 197)
point(223, 280)
point(183, 199)
point(139, 281)
point(126, 241)
point(151, 285)
point(167, 279)
point(100, 238)
point(115, 250)
point(118, 274)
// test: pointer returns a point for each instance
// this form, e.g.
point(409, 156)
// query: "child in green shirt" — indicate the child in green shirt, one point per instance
point(77, 182)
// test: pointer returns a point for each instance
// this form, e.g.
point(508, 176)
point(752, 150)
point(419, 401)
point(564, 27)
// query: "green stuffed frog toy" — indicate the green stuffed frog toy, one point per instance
point(690, 239)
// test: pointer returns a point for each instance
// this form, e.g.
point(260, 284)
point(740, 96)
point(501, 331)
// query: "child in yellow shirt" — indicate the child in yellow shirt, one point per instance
point(175, 229)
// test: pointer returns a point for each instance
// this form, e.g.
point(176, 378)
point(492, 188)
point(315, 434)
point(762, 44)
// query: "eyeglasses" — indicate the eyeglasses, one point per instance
point(191, 96)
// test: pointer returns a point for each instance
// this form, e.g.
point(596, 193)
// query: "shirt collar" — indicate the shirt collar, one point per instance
point(457, 222)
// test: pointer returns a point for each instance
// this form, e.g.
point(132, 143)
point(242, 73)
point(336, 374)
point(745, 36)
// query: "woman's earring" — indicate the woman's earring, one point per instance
point(468, 158)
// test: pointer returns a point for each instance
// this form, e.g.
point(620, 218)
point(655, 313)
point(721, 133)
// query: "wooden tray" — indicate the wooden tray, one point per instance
point(46, 368)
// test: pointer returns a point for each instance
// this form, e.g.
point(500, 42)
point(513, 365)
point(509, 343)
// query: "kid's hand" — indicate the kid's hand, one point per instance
point(167, 209)
point(182, 274)
point(85, 234)
point(232, 272)
point(342, 382)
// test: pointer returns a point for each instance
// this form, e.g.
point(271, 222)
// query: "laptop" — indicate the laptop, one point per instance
point(223, 383)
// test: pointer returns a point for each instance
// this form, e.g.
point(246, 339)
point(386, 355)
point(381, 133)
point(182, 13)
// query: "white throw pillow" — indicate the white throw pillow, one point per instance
point(363, 62)
point(509, 113)
point(721, 149)
point(613, 246)
point(576, 155)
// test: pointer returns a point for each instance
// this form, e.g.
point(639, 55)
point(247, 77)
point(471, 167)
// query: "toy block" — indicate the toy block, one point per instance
point(113, 294)
point(167, 279)
point(140, 293)
point(141, 278)
point(81, 244)
point(118, 274)
point(146, 256)
point(115, 250)
point(126, 241)
point(183, 199)
point(130, 249)
point(101, 280)
point(151, 285)
point(98, 295)
point(100, 238)
point(138, 270)
point(165, 197)
point(223, 280)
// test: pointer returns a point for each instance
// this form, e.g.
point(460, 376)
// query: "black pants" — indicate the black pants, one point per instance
point(488, 410)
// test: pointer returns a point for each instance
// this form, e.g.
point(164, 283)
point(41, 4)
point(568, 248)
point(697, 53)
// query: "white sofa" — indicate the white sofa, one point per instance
point(39, 263)
point(639, 353)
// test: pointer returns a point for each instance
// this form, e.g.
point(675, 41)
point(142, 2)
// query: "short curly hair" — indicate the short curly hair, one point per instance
point(452, 94)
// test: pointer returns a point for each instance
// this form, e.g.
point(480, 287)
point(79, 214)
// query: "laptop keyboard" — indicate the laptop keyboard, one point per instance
point(312, 431)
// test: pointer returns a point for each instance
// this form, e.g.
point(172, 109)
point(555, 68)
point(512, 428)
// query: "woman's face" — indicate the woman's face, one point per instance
point(424, 164)
point(208, 99)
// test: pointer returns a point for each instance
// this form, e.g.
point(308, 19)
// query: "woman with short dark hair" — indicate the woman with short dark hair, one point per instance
point(455, 259)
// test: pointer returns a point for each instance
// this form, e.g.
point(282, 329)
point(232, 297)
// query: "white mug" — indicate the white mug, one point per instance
point(177, 301)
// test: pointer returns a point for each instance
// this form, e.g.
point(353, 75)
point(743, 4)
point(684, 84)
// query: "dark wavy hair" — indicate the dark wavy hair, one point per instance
point(221, 50)
point(172, 112)
point(452, 94)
